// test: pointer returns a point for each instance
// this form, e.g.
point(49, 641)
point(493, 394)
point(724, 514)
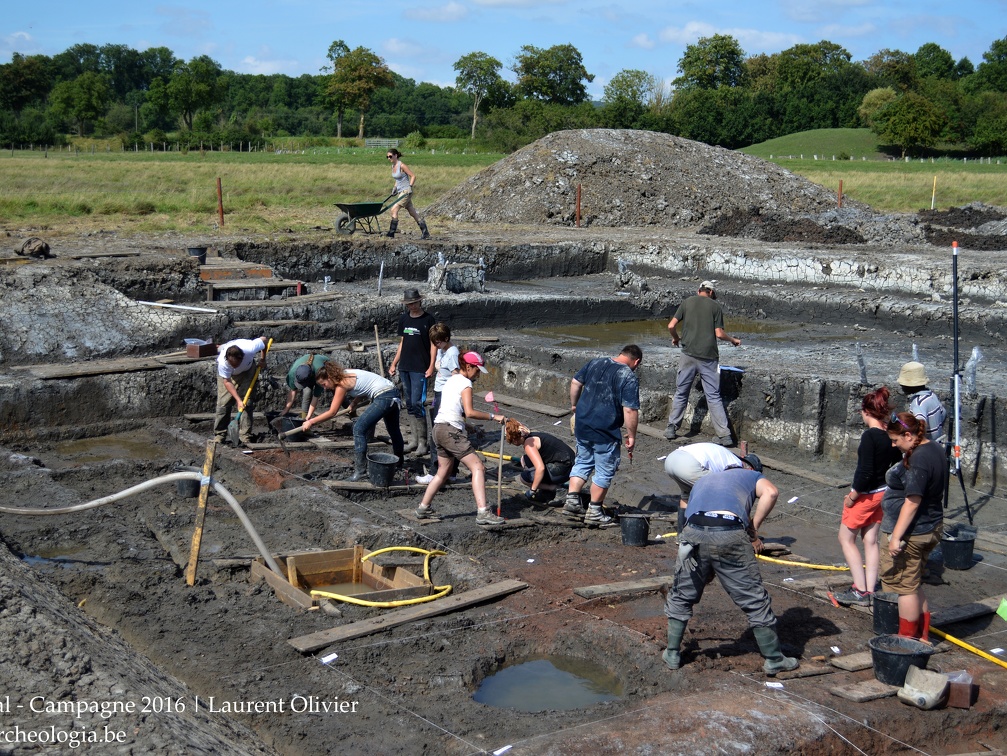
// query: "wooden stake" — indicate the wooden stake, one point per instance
point(377, 346)
point(220, 203)
point(500, 471)
point(204, 492)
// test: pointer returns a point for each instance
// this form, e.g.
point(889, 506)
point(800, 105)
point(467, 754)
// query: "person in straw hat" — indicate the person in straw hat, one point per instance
point(923, 402)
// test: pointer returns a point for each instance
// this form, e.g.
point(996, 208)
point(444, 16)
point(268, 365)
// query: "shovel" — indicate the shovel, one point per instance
point(232, 429)
point(282, 435)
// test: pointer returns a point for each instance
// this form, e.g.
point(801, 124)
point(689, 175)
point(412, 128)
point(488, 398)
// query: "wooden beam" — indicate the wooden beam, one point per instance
point(204, 493)
point(93, 367)
point(285, 592)
point(626, 587)
point(314, 641)
point(542, 409)
point(965, 611)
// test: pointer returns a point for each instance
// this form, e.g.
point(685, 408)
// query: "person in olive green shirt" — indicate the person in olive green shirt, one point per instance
point(701, 319)
point(301, 379)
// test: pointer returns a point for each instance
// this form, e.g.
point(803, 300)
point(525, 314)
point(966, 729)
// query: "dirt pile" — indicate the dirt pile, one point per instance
point(627, 179)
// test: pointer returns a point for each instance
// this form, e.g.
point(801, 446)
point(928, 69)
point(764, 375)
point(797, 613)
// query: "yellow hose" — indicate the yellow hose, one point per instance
point(441, 590)
point(967, 647)
point(803, 564)
point(506, 457)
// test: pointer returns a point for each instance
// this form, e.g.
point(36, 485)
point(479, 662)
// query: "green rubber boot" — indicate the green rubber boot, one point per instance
point(769, 645)
point(672, 657)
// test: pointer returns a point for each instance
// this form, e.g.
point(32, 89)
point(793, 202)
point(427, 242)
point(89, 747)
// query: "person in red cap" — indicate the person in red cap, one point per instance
point(452, 439)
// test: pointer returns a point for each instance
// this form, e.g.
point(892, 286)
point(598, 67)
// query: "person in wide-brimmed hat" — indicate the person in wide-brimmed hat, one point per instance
point(414, 361)
point(923, 402)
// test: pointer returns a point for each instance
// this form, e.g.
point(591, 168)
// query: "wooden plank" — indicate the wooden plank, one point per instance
point(271, 323)
point(965, 611)
point(861, 692)
point(204, 494)
point(314, 641)
point(285, 592)
point(112, 253)
point(304, 299)
point(196, 417)
point(255, 283)
point(626, 587)
point(94, 367)
point(807, 669)
point(650, 430)
point(853, 662)
point(363, 485)
point(16, 260)
point(542, 409)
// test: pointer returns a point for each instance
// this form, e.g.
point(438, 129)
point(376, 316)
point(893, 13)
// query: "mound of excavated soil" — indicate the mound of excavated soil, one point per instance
point(627, 179)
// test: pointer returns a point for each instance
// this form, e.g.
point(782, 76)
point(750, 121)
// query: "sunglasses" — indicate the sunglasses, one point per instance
point(896, 419)
point(390, 157)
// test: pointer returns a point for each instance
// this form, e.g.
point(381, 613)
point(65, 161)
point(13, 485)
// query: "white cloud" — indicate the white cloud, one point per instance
point(402, 47)
point(687, 34)
point(643, 41)
point(447, 13)
point(838, 31)
point(21, 42)
point(252, 65)
point(183, 22)
point(751, 40)
point(819, 10)
point(517, 3)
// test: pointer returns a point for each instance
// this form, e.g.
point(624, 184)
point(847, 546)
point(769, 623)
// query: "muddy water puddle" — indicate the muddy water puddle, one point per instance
point(549, 683)
point(136, 445)
point(643, 332)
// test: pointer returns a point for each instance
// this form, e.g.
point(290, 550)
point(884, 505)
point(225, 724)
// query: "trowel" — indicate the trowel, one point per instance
point(277, 424)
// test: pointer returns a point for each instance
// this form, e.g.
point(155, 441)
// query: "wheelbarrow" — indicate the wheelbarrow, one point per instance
point(364, 215)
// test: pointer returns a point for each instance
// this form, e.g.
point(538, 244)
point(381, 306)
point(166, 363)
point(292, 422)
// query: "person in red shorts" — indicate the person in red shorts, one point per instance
point(862, 505)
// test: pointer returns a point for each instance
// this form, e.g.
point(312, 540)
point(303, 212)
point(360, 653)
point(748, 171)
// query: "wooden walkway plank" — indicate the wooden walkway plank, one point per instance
point(625, 587)
point(542, 409)
point(965, 611)
point(94, 367)
point(314, 641)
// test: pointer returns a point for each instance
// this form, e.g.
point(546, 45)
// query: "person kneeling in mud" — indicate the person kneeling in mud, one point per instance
point(453, 442)
point(545, 464)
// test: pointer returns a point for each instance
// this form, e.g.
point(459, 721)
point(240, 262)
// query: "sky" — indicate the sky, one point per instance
point(422, 39)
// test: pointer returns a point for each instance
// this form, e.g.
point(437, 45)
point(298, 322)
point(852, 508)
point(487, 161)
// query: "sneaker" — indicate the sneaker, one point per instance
point(486, 517)
point(425, 513)
point(723, 440)
point(853, 596)
point(424, 479)
point(671, 433)
point(596, 516)
point(573, 507)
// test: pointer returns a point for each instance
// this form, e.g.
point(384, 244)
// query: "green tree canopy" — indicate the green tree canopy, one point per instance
point(910, 122)
point(933, 60)
point(801, 65)
point(711, 63)
point(893, 68)
point(992, 72)
point(478, 73)
point(356, 75)
point(83, 100)
point(194, 87)
point(24, 81)
point(554, 75)
point(874, 101)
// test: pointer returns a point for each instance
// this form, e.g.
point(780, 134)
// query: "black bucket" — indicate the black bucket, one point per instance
point(957, 545)
point(893, 655)
point(199, 253)
point(635, 529)
point(381, 468)
point(188, 489)
point(287, 424)
point(885, 607)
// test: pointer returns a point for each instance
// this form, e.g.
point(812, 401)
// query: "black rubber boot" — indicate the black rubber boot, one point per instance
point(359, 467)
point(671, 655)
point(769, 645)
point(410, 446)
point(421, 437)
point(423, 228)
point(392, 228)
point(681, 520)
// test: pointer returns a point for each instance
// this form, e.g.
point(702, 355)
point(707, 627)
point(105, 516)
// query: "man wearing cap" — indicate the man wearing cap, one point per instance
point(701, 319)
point(235, 361)
point(721, 538)
point(688, 464)
point(414, 360)
point(923, 402)
point(605, 395)
point(301, 378)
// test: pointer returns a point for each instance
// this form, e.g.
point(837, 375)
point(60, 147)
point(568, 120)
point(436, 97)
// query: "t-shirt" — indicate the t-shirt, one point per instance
point(447, 363)
point(730, 490)
point(874, 456)
point(609, 386)
point(415, 354)
point(451, 411)
point(926, 406)
point(925, 477)
point(712, 457)
point(698, 321)
point(250, 347)
point(368, 384)
point(553, 450)
point(316, 364)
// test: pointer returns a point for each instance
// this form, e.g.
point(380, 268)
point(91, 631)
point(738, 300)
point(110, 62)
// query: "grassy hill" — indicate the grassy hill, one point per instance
point(825, 143)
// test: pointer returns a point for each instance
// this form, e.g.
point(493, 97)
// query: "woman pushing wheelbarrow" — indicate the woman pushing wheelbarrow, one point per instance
point(404, 180)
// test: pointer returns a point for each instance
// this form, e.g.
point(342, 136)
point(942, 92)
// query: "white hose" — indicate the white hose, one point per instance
point(146, 486)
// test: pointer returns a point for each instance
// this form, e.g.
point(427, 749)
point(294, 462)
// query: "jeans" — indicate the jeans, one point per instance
point(709, 375)
point(600, 458)
point(728, 554)
point(414, 387)
point(382, 407)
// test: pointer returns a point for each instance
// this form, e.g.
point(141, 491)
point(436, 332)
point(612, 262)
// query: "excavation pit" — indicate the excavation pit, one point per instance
point(550, 683)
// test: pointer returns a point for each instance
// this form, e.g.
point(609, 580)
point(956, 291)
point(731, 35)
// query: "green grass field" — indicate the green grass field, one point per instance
point(143, 192)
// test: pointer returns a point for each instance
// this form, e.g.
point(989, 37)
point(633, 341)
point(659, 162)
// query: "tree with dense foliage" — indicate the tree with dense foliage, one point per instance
point(555, 75)
point(910, 122)
point(193, 87)
point(989, 133)
point(933, 60)
point(893, 68)
point(336, 51)
point(627, 99)
point(874, 102)
point(711, 63)
point(24, 81)
point(83, 100)
point(992, 72)
point(478, 73)
point(356, 75)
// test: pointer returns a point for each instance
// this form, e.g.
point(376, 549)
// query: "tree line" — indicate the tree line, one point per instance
point(722, 96)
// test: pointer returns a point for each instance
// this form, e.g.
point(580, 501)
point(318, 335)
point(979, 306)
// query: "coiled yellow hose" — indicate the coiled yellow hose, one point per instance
point(440, 590)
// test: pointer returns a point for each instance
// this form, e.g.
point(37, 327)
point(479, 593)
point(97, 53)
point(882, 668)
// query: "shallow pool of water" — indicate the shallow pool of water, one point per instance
point(549, 683)
point(121, 446)
point(641, 332)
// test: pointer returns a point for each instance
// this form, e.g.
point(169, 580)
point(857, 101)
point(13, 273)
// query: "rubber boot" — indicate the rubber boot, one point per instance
point(681, 520)
point(909, 628)
point(421, 437)
point(423, 228)
point(359, 467)
point(392, 228)
point(672, 657)
point(769, 646)
point(413, 436)
point(925, 627)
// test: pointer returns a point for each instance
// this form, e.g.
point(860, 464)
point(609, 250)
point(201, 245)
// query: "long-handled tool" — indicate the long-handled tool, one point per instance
point(281, 435)
point(232, 429)
point(377, 347)
point(490, 399)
